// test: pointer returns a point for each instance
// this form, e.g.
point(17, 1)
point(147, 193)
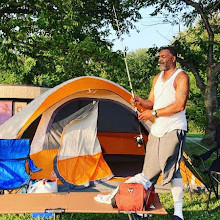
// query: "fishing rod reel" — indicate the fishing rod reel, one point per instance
point(139, 140)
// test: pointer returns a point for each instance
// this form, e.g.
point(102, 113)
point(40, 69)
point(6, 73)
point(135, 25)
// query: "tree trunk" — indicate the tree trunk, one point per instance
point(211, 106)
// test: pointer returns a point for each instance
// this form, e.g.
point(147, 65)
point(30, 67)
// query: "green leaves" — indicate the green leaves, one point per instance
point(143, 67)
point(63, 38)
point(29, 63)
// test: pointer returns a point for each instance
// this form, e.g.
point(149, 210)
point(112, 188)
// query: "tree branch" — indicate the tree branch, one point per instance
point(216, 69)
point(198, 8)
point(216, 6)
point(192, 3)
point(199, 81)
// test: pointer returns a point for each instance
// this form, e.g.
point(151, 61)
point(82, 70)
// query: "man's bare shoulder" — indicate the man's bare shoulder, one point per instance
point(182, 76)
point(182, 79)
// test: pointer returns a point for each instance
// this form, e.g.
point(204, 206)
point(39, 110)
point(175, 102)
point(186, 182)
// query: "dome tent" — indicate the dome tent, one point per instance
point(44, 119)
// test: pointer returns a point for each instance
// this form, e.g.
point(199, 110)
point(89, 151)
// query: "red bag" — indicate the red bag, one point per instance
point(133, 197)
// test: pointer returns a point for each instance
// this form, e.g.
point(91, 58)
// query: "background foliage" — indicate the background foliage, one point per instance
point(47, 42)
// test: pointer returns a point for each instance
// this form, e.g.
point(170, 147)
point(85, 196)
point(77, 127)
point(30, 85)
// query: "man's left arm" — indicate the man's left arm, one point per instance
point(181, 85)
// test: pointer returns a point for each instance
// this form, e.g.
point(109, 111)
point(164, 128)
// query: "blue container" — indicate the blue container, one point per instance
point(42, 215)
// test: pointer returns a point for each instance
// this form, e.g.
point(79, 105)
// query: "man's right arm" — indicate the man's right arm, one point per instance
point(146, 103)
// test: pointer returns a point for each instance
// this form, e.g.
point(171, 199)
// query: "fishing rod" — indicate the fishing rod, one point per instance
point(140, 139)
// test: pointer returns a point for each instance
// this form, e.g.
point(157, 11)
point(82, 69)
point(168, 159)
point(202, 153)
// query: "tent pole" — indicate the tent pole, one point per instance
point(187, 179)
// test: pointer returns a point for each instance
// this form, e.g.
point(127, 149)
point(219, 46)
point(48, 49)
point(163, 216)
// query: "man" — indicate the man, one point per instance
point(166, 103)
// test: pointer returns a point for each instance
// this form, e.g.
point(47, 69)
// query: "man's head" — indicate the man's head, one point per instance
point(167, 58)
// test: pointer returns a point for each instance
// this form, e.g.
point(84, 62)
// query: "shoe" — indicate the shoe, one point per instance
point(175, 217)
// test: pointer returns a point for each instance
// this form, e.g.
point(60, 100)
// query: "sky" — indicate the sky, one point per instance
point(152, 32)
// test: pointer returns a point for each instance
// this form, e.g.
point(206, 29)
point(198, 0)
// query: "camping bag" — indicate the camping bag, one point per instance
point(133, 197)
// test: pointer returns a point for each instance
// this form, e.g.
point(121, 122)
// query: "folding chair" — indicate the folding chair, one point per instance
point(15, 165)
point(213, 171)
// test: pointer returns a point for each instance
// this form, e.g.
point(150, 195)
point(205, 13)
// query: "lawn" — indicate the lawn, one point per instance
point(194, 135)
point(193, 208)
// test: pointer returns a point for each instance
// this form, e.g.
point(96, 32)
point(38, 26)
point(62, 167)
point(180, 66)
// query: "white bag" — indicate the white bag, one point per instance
point(43, 186)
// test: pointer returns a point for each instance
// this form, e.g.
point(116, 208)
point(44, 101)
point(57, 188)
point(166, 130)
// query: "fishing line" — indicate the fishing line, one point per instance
point(140, 140)
point(123, 49)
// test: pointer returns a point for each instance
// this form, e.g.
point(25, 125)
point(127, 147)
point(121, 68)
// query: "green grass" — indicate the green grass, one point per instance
point(194, 135)
point(193, 208)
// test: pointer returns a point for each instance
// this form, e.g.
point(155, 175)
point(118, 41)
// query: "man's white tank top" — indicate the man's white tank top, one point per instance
point(164, 95)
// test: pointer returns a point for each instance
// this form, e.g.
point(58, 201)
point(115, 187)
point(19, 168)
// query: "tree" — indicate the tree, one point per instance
point(201, 57)
point(47, 42)
point(193, 44)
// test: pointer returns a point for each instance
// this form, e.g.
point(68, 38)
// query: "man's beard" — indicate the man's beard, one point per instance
point(164, 66)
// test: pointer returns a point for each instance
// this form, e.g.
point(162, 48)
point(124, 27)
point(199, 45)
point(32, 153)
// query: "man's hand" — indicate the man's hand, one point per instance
point(145, 115)
point(135, 101)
